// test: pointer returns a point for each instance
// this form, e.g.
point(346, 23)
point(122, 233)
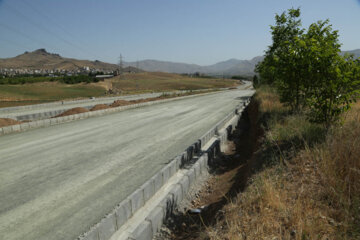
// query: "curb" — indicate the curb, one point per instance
point(205, 149)
point(59, 120)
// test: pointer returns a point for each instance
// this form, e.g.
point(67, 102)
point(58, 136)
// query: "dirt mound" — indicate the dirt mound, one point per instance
point(119, 103)
point(99, 107)
point(73, 111)
point(8, 122)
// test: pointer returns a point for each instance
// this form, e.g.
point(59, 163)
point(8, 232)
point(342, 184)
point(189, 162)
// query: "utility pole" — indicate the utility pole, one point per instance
point(137, 64)
point(121, 64)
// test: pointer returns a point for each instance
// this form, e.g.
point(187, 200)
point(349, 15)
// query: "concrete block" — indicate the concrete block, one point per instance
point(60, 119)
point(91, 235)
point(107, 227)
point(197, 147)
point(184, 157)
point(16, 128)
point(200, 144)
point(190, 153)
point(168, 205)
point(123, 212)
point(178, 161)
point(191, 174)
point(197, 169)
point(137, 200)
point(185, 185)
point(203, 163)
point(142, 232)
point(53, 121)
point(178, 193)
point(173, 167)
point(40, 123)
point(165, 173)
point(158, 181)
point(33, 124)
point(156, 218)
point(149, 189)
point(46, 122)
point(7, 130)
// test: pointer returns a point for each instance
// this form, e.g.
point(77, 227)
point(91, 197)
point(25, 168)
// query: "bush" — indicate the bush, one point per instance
point(308, 70)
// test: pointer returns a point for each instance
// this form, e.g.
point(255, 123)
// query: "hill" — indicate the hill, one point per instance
point(229, 67)
point(160, 81)
point(356, 52)
point(41, 59)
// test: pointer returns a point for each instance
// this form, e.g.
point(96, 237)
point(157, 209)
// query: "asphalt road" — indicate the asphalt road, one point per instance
point(58, 181)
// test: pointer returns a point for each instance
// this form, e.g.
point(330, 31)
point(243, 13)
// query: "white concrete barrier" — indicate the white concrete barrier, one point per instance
point(59, 120)
point(211, 144)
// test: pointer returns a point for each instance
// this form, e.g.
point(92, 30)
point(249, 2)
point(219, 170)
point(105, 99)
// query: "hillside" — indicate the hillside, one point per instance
point(41, 59)
point(229, 67)
point(160, 81)
point(355, 52)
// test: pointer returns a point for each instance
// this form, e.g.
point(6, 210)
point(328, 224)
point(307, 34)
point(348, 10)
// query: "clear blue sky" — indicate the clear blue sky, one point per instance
point(191, 31)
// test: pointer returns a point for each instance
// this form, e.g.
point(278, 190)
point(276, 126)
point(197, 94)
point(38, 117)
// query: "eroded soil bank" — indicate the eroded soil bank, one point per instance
point(228, 176)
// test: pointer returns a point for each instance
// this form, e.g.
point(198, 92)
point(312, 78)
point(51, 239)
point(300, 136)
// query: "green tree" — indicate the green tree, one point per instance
point(280, 65)
point(332, 80)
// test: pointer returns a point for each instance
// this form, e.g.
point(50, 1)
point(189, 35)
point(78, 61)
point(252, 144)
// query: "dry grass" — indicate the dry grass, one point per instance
point(158, 81)
point(24, 94)
point(72, 111)
point(135, 83)
point(4, 122)
point(311, 187)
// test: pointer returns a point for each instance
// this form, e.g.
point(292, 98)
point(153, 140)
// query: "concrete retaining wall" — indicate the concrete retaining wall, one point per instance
point(92, 102)
point(64, 103)
point(53, 121)
point(205, 149)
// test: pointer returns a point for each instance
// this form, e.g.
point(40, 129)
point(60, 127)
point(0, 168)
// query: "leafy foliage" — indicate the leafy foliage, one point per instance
point(307, 69)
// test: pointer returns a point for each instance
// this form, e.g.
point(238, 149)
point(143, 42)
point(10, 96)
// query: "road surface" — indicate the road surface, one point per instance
point(58, 181)
point(39, 108)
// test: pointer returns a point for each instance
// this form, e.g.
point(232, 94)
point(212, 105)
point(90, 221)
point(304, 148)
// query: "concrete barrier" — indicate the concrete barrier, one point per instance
point(59, 120)
point(133, 205)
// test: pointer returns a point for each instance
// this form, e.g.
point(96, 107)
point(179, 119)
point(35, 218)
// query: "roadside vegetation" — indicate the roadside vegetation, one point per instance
point(308, 161)
point(37, 79)
point(302, 179)
point(11, 95)
point(159, 81)
point(307, 70)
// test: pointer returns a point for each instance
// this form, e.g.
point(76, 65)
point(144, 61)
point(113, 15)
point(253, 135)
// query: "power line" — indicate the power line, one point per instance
point(13, 43)
point(55, 23)
point(121, 64)
point(24, 35)
point(44, 28)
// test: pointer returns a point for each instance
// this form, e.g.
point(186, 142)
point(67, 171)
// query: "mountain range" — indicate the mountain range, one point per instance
point(356, 53)
point(229, 67)
point(41, 59)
